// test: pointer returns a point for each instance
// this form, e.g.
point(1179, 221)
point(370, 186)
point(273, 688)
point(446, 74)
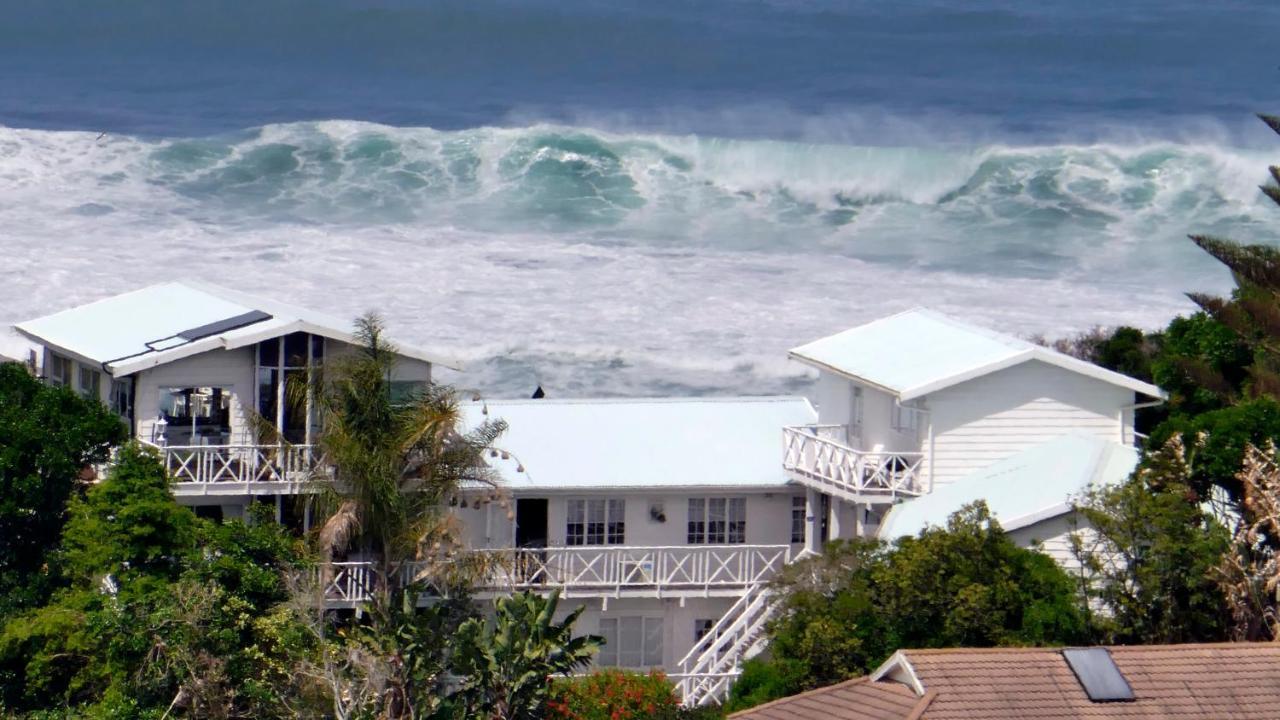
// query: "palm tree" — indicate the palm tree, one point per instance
point(391, 464)
point(508, 663)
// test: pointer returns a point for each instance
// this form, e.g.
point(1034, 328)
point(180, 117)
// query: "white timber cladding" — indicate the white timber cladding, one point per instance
point(1053, 537)
point(994, 416)
point(768, 517)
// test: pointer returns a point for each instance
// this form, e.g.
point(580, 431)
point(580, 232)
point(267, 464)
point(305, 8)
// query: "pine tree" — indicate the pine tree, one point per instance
point(1253, 310)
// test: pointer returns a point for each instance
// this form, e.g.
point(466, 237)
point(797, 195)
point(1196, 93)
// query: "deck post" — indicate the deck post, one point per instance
point(812, 520)
point(833, 521)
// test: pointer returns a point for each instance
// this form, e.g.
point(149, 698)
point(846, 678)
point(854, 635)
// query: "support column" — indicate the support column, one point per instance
point(812, 520)
point(833, 521)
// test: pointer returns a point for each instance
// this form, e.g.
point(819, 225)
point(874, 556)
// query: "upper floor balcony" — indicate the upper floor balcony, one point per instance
point(241, 469)
point(595, 572)
point(814, 456)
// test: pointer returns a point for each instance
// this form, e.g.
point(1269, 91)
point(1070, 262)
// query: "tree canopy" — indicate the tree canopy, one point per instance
point(49, 437)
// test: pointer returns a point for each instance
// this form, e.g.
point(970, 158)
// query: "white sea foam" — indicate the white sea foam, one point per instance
point(598, 263)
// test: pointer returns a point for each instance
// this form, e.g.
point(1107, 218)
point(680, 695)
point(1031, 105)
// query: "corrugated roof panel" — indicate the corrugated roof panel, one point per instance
point(1039, 478)
point(645, 443)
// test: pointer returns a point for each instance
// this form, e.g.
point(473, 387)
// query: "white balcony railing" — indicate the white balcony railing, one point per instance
point(594, 571)
point(199, 467)
point(817, 460)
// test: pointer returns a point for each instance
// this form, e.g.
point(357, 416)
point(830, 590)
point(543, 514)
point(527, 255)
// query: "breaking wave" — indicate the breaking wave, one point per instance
point(579, 235)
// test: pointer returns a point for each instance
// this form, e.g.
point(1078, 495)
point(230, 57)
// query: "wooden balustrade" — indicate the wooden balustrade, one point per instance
point(816, 460)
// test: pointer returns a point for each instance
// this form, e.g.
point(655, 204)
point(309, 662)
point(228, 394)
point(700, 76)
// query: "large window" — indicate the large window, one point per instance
point(596, 521)
point(59, 370)
point(715, 521)
point(90, 384)
point(633, 642)
point(196, 415)
point(798, 517)
point(122, 397)
point(289, 359)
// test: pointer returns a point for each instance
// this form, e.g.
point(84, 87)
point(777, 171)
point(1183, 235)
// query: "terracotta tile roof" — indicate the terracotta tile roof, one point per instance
point(1236, 680)
point(858, 699)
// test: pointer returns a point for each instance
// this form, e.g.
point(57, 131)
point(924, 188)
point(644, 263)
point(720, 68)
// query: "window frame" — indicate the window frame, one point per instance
point(799, 518)
point(595, 522)
point(720, 520)
point(649, 652)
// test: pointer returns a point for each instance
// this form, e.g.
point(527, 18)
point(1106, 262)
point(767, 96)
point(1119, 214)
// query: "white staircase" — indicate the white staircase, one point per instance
point(712, 665)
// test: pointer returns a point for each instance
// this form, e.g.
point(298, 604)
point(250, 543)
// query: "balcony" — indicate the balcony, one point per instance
point(600, 572)
point(813, 458)
point(244, 469)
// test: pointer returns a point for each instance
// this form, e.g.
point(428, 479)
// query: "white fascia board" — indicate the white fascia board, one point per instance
point(1099, 373)
point(146, 361)
point(970, 374)
point(793, 355)
point(63, 351)
point(1048, 357)
point(898, 668)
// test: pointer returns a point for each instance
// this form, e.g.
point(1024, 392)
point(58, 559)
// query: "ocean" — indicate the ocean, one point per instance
point(637, 198)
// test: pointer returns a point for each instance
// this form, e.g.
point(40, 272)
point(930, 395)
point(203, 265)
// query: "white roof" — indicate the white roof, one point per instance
point(138, 330)
point(1033, 485)
point(920, 351)
point(645, 443)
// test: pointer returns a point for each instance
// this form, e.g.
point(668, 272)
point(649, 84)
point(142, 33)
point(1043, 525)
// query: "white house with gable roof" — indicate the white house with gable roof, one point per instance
point(197, 370)
point(913, 403)
point(665, 517)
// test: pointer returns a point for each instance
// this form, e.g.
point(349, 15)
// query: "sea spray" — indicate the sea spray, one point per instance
point(623, 263)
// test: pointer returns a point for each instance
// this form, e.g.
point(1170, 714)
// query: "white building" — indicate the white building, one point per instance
point(200, 372)
point(664, 517)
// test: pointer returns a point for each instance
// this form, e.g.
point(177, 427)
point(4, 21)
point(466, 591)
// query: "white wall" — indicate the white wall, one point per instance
point(834, 396)
point(678, 621)
point(1053, 537)
point(990, 418)
point(768, 517)
point(232, 370)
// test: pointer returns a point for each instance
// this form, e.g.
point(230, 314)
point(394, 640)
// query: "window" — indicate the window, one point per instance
point(798, 517)
point(906, 418)
point(598, 521)
point(90, 383)
point(59, 370)
point(715, 521)
point(855, 408)
point(121, 397)
point(634, 642)
point(404, 392)
point(701, 628)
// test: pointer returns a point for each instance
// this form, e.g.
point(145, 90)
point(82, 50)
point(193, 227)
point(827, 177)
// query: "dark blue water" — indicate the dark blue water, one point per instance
point(1061, 69)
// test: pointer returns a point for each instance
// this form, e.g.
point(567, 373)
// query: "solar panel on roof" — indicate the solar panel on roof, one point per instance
point(1098, 674)
point(218, 326)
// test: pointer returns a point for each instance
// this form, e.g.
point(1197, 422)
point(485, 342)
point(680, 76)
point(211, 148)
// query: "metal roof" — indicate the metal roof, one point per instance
point(1033, 485)
point(647, 444)
point(166, 322)
point(920, 351)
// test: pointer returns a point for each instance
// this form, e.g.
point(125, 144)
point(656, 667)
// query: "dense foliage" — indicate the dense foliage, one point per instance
point(163, 611)
point(615, 695)
point(966, 584)
point(49, 439)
